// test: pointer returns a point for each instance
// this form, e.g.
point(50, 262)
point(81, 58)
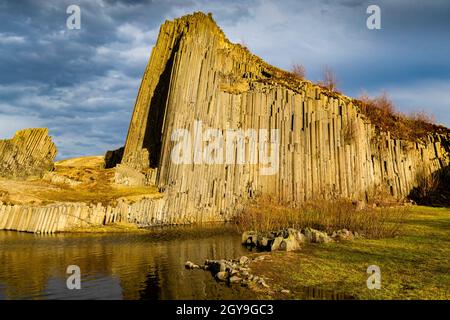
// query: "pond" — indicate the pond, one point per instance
point(118, 266)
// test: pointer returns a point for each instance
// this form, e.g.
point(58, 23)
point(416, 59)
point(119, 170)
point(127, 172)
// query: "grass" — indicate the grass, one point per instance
point(265, 215)
point(105, 196)
point(414, 265)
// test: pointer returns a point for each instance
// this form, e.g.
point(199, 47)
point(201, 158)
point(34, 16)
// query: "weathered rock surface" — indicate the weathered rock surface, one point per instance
point(196, 74)
point(30, 152)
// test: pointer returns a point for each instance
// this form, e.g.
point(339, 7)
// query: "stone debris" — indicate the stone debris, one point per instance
point(232, 271)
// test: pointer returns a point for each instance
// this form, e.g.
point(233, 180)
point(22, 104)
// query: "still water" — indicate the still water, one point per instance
point(118, 266)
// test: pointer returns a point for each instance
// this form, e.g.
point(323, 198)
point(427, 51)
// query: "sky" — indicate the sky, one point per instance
point(82, 84)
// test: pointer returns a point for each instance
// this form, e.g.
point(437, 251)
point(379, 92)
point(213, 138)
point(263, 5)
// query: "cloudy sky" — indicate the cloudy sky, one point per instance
point(82, 84)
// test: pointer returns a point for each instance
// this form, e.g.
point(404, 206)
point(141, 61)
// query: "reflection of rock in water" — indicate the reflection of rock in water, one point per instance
point(145, 266)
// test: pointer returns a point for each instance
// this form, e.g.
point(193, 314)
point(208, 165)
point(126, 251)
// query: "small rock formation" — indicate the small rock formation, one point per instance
point(232, 271)
point(291, 239)
point(30, 153)
point(344, 234)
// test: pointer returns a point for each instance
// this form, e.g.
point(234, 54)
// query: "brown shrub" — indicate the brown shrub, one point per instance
point(329, 79)
point(382, 112)
point(299, 71)
point(266, 215)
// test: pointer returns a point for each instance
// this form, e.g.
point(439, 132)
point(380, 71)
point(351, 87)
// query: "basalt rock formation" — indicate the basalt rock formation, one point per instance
point(240, 128)
point(30, 153)
point(327, 148)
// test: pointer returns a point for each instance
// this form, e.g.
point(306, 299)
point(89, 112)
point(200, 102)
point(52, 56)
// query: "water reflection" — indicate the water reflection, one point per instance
point(118, 266)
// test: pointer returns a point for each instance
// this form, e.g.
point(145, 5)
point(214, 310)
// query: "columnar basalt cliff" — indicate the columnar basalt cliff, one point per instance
point(198, 87)
point(327, 148)
point(30, 153)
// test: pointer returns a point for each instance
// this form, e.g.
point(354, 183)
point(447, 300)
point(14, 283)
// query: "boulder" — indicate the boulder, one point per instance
point(307, 232)
point(249, 238)
point(289, 244)
point(342, 234)
point(276, 243)
point(297, 235)
point(234, 279)
point(222, 276)
point(190, 265)
point(263, 242)
point(316, 236)
point(244, 260)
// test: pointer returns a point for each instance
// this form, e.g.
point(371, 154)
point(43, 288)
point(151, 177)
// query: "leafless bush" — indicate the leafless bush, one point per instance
point(329, 79)
point(299, 71)
point(427, 182)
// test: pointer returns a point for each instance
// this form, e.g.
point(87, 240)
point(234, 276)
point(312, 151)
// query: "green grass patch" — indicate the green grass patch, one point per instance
point(414, 265)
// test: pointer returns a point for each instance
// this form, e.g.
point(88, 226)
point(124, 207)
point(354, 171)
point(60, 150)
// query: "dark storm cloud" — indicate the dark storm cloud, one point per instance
point(82, 83)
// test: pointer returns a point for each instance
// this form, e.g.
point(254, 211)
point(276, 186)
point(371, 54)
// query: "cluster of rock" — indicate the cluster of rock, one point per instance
point(291, 239)
point(56, 178)
point(30, 152)
point(232, 271)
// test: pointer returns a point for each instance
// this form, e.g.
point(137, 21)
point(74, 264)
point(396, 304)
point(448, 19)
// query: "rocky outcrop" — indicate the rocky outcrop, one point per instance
point(29, 153)
point(61, 217)
point(325, 148)
point(113, 157)
point(290, 239)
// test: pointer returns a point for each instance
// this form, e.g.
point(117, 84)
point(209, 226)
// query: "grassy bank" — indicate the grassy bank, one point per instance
point(414, 264)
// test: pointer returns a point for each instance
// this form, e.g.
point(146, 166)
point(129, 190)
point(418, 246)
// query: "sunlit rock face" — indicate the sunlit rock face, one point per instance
point(30, 152)
point(324, 147)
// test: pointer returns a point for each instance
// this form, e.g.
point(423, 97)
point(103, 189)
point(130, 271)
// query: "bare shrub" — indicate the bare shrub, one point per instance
point(329, 79)
point(299, 71)
point(266, 215)
point(427, 182)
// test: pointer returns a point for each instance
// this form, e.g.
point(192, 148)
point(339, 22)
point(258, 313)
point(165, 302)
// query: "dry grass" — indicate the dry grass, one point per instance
point(382, 112)
point(265, 215)
point(94, 185)
point(432, 189)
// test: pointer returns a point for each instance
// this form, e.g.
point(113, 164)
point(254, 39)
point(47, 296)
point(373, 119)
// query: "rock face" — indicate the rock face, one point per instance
point(197, 80)
point(30, 153)
point(63, 217)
